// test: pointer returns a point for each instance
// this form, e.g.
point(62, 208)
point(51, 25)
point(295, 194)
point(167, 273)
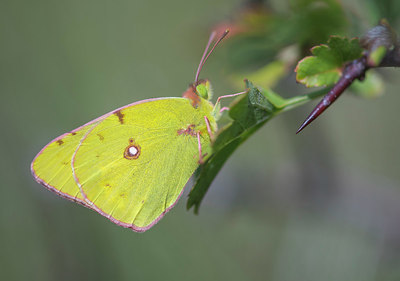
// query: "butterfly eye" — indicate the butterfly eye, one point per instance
point(132, 151)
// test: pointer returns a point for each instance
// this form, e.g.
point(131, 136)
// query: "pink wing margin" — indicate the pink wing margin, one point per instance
point(87, 203)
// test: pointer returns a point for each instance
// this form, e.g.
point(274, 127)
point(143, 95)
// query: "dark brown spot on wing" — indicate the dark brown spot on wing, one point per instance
point(120, 116)
point(73, 133)
point(60, 142)
point(188, 131)
point(101, 137)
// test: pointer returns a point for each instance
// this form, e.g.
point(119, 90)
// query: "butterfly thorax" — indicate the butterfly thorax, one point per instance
point(199, 95)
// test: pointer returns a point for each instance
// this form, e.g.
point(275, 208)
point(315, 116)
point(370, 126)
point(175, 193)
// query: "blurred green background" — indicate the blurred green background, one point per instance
point(322, 205)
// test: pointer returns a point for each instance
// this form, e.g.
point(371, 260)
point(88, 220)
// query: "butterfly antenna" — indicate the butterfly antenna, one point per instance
point(206, 55)
point(203, 57)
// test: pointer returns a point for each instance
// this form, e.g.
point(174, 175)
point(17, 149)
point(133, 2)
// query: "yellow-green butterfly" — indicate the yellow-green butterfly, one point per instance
point(132, 164)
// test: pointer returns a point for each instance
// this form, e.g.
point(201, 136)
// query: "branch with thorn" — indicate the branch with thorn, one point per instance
point(381, 37)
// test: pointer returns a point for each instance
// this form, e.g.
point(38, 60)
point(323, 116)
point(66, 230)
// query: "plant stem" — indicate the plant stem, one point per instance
point(302, 99)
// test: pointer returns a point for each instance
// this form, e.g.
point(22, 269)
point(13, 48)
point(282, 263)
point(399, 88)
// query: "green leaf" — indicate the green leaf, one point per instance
point(325, 66)
point(248, 113)
point(258, 100)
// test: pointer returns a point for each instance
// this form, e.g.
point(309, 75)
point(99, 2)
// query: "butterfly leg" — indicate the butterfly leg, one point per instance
point(223, 109)
point(201, 156)
point(227, 96)
point(208, 127)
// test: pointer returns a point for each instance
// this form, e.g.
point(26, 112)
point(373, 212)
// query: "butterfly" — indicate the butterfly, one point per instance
point(131, 164)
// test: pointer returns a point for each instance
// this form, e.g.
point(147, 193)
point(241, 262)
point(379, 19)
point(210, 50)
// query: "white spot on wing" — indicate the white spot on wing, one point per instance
point(133, 150)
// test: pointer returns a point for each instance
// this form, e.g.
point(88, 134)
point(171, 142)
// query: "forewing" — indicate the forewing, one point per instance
point(136, 190)
point(52, 165)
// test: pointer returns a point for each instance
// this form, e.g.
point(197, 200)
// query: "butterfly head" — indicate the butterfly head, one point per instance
point(197, 91)
point(203, 89)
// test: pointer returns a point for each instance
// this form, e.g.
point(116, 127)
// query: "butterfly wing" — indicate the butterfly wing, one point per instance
point(132, 166)
point(52, 165)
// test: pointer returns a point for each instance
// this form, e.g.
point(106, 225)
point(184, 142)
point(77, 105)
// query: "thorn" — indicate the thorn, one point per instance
point(352, 71)
point(305, 124)
point(317, 111)
point(313, 115)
